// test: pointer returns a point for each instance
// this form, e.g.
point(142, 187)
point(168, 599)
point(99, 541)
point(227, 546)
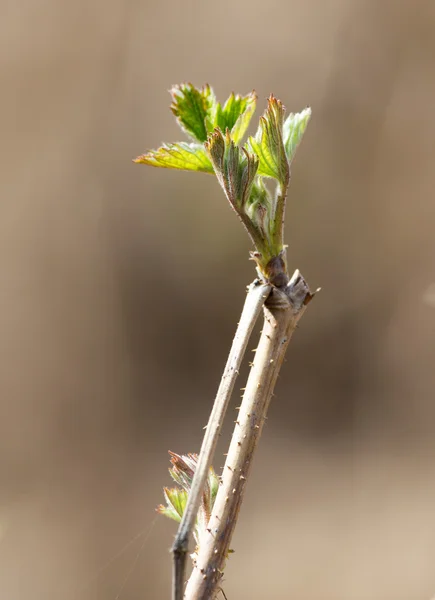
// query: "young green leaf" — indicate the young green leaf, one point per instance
point(268, 144)
point(235, 115)
point(293, 130)
point(182, 471)
point(175, 503)
point(193, 107)
point(184, 156)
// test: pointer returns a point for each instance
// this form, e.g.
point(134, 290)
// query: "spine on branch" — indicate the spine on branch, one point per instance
point(282, 312)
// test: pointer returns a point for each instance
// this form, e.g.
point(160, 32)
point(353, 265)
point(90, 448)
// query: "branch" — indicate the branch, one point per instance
point(282, 312)
point(257, 294)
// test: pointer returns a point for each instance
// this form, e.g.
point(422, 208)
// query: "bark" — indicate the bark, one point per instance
point(257, 294)
point(284, 307)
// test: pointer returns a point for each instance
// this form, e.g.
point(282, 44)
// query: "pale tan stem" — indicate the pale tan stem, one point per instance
point(257, 294)
point(282, 311)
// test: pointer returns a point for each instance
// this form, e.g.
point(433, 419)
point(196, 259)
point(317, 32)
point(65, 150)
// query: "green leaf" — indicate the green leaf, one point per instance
point(293, 129)
point(182, 472)
point(235, 115)
point(175, 503)
point(184, 156)
point(192, 107)
point(268, 144)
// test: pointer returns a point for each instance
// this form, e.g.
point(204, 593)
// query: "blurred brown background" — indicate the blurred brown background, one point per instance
point(114, 333)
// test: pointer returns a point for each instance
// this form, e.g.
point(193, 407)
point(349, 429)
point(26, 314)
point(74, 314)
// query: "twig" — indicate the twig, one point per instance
point(218, 130)
point(282, 311)
point(257, 294)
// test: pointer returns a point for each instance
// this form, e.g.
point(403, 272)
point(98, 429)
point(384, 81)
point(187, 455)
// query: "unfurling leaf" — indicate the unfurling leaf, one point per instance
point(293, 129)
point(193, 107)
point(175, 503)
point(235, 168)
point(184, 156)
point(182, 471)
point(268, 143)
point(198, 112)
point(235, 115)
